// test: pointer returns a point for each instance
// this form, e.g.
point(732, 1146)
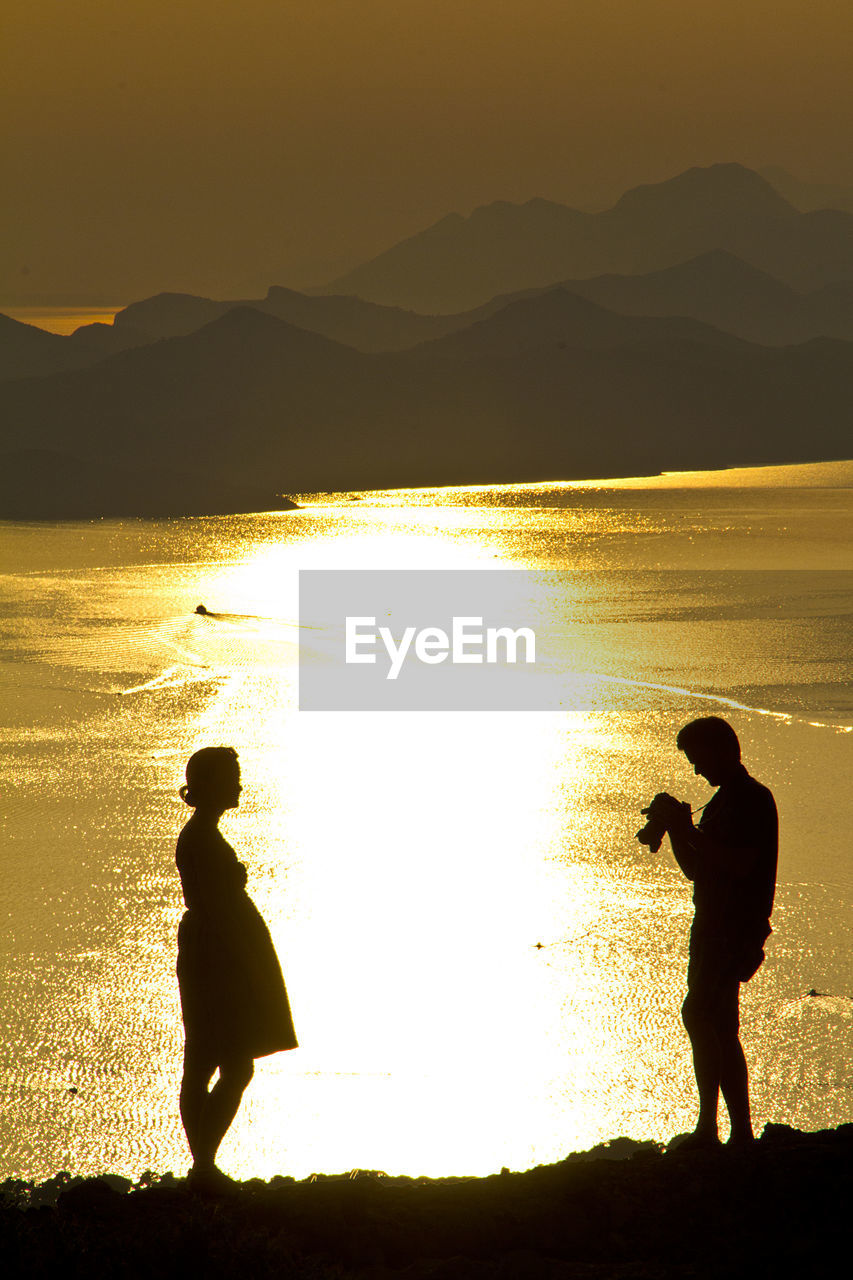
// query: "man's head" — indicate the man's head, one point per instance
point(712, 747)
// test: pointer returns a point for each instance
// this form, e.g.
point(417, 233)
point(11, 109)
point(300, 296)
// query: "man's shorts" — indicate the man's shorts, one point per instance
point(713, 982)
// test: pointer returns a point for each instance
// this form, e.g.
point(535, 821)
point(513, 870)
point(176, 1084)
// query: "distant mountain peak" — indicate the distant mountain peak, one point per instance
point(248, 328)
point(248, 324)
point(449, 222)
point(722, 265)
point(498, 212)
point(245, 317)
point(726, 187)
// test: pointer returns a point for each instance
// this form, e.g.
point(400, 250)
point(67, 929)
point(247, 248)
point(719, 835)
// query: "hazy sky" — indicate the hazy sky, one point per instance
point(217, 147)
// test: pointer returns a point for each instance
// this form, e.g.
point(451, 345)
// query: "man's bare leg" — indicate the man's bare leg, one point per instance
point(706, 1067)
point(734, 1082)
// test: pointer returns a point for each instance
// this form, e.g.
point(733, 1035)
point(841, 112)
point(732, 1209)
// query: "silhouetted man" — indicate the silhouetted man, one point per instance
point(731, 859)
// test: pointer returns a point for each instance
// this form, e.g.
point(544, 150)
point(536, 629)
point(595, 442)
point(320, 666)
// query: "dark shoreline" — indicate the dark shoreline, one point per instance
point(624, 1210)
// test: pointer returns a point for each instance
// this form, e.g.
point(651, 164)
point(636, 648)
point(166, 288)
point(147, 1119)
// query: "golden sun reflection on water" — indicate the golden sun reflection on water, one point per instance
point(407, 917)
point(408, 865)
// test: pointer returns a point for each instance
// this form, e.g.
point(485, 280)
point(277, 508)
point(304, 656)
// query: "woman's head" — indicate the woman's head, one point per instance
point(213, 779)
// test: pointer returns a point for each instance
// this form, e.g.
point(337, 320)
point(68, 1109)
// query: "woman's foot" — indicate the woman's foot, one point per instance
point(740, 1141)
point(209, 1180)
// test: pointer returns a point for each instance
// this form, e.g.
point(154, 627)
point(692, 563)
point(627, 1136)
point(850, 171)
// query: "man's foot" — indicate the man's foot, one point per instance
point(698, 1140)
point(209, 1180)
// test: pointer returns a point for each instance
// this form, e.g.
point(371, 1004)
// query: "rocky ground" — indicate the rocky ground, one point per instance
point(625, 1210)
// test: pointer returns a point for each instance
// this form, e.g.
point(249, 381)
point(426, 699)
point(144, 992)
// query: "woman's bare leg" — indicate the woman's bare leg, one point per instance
point(207, 1114)
point(198, 1072)
point(220, 1108)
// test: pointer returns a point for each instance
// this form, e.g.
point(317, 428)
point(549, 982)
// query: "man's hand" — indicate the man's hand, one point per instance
point(671, 814)
point(674, 816)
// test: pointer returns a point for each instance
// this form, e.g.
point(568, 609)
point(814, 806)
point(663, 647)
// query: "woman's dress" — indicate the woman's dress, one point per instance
point(233, 997)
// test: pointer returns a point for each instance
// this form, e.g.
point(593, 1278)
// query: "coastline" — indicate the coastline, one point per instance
point(46, 486)
point(836, 474)
point(625, 1209)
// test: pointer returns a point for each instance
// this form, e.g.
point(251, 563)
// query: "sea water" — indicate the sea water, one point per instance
point(485, 967)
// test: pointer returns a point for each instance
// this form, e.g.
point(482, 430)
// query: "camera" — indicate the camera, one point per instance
point(655, 829)
point(652, 833)
point(663, 813)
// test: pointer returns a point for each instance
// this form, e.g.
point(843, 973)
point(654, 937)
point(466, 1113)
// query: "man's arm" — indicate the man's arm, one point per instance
point(692, 846)
point(682, 837)
point(676, 818)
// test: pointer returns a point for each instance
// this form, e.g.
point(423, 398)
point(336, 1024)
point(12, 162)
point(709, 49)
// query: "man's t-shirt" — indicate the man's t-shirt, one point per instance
point(734, 901)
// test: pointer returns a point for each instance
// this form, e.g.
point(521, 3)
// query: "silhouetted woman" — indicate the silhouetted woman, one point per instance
point(233, 998)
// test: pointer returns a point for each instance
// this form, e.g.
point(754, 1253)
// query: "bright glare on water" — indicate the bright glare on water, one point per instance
point(410, 864)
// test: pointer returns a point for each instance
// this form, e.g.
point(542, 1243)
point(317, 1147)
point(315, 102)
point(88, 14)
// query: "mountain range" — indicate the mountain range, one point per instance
point(459, 263)
point(188, 404)
point(716, 288)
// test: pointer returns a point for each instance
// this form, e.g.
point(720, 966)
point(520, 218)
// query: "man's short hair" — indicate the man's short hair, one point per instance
point(712, 732)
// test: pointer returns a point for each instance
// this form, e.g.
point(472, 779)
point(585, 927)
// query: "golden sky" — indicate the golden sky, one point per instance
point(217, 147)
